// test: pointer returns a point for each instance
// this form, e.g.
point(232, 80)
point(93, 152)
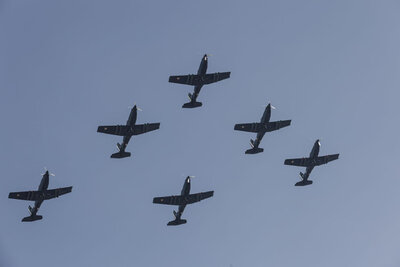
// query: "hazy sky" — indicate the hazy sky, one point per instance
point(330, 66)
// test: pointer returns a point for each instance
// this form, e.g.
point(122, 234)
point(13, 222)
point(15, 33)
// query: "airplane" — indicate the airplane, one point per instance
point(182, 200)
point(198, 80)
point(310, 163)
point(131, 128)
point(39, 196)
point(261, 128)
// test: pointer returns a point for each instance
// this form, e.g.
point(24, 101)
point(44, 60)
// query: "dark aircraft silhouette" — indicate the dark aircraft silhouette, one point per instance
point(198, 80)
point(182, 200)
point(39, 196)
point(131, 128)
point(310, 163)
point(261, 128)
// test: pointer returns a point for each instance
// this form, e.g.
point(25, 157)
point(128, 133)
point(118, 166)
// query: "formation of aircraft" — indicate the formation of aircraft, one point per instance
point(310, 162)
point(182, 200)
point(127, 131)
point(185, 198)
point(39, 196)
point(261, 128)
point(198, 80)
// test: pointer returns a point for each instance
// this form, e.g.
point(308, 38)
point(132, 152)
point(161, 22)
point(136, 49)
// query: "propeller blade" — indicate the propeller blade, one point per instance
point(46, 170)
point(136, 107)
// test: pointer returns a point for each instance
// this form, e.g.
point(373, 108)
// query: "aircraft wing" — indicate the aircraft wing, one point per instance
point(216, 77)
point(276, 125)
point(144, 128)
point(121, 130)
point(191, 79)
point(53, 193)
point(194, 79)
point(193, 198)
point(301, 162)
point(183, 200)
point(326, 159)
point(26, 195)
point(250, 127)
point(36, 195)
point(304, 162)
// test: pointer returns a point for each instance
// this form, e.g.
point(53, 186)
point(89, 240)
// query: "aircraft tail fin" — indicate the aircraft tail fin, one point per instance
point(32, 218)
point(119, 146)
point(254, 150)
point(120, 155)
point(192, 104)
point(178, 220)
point(252, 143)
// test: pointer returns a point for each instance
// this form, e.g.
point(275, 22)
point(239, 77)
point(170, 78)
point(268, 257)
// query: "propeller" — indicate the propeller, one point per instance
point(272, 107)
point(46, 170)
point(136, 107)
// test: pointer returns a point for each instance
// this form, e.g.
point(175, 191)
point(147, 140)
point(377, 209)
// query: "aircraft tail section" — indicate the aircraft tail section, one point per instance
point(192, 104)
point(176, 222)
point(120, 155)
point(254, 150)
point(304, 183)
point(32, 218)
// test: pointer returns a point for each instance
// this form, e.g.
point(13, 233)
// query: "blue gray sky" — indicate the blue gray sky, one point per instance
point(330, 66)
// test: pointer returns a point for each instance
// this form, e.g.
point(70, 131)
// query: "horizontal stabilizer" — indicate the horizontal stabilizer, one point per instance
point(254, 150)
point(32, 218)
point(192, 105)
point(120, 155)
point(176, 222)
point(303, 183)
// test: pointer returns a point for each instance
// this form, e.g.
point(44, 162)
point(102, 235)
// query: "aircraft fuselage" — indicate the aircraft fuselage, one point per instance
point(313, 155)
point(201, 71)
point(185, 192)
point(44, 184)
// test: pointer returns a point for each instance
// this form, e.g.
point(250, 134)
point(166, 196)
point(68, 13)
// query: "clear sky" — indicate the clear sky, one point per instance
point(330, 66)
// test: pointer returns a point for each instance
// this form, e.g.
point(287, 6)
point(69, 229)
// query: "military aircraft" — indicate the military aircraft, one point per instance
point(310, 163)
point(261, 128)
point(182, 200)
point(198, 80)
point(131, 128)
point(39, 196)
